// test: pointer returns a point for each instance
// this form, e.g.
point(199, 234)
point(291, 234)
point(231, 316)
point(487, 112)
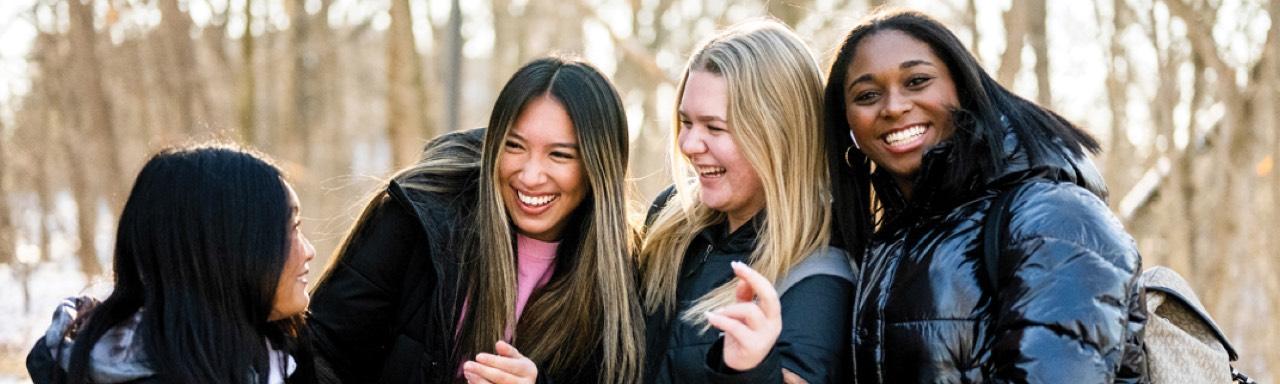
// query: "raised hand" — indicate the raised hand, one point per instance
point(507, 367)
point(752, 324)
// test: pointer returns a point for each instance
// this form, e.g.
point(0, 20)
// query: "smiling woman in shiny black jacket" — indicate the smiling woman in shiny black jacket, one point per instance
point(921, 141)
point(502, 256)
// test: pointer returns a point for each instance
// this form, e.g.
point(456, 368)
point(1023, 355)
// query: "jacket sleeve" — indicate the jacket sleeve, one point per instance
point(40, 364)
point(1068, 275)
point(814, 343)
point(354, 307)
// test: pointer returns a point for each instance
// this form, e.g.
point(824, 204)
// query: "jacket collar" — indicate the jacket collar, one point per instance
point(933, 195)
point(741, 240)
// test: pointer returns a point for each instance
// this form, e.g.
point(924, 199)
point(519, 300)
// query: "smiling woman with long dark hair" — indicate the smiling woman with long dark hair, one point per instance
point(210, 281)
point(923, 144)
point(502, 255)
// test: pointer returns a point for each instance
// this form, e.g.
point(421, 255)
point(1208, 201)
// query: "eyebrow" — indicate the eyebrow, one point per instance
point(905, 65)
point(703, 118)
point(513, 134)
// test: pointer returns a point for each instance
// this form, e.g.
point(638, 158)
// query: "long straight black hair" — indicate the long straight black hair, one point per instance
point(199, 250)
point(985, 109)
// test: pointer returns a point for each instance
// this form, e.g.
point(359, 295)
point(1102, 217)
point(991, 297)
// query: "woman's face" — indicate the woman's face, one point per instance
point(291, 293)
point(898, 99)
point(729, 183)
point(540, 170)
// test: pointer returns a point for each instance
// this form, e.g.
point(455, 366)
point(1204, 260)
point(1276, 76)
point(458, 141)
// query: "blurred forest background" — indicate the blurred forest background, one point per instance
point(1184, 94)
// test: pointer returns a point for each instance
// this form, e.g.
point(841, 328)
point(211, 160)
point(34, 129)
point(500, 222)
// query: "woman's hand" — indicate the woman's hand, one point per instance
point(750, 327)
point(507, 367)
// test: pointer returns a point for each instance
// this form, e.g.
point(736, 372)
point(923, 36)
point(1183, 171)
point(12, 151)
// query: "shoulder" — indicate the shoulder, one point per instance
point(659, 203)
point(41, 365)
point(828, 261)
point(1053, 214)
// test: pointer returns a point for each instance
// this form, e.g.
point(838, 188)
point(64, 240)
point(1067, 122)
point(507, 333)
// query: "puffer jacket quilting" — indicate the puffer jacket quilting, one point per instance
point(1068, 308)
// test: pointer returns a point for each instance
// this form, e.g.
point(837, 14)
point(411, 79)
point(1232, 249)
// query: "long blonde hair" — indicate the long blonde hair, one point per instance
point(591, 302)
point(774, 111)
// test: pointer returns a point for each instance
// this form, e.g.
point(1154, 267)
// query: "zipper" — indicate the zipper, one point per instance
point(706, 254)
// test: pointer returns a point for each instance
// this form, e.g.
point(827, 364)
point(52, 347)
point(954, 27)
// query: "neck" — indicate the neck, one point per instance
point(736, 220)
point(905, 186)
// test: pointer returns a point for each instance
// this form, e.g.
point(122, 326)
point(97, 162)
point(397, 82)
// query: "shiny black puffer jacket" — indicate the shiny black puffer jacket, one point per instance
point(1068, 308)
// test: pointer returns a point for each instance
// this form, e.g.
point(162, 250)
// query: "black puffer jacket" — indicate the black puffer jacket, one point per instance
point(387, 311)
point(815, 312)
point(1068, 309)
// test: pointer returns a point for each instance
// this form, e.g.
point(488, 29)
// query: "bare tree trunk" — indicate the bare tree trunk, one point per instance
point(1120, 154)
point(453, 68)
point(94, 107)
point(140, 87)
point(7, 238)
point(1015, 27)
point(44, 191)
point(506, 44)
point(1231, 157)
point(86, 210)
point(1184, 174)
point(290, 99)
point(404, 105)
point(569, 26)
point(971, 20)
point(245, 100)
point(51, 124)
point(1037, 14)
point(178, 70)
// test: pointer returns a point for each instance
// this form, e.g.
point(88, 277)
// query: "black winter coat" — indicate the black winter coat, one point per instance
point(388, 309)
point(1068, 309)
point(815, 313)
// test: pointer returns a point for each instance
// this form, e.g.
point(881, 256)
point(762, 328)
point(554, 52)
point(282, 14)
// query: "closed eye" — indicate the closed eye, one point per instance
point(916, 81)
point(864, 98)
point(512, 146)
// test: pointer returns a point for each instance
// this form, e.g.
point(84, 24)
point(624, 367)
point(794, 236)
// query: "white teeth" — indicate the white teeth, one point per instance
point(904, 135)
point(536, 201)
point(711, 171)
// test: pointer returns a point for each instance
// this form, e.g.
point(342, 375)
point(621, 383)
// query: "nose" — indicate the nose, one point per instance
point(310, 249)
point(896, 104)
point(691, 141)
point(532, 171)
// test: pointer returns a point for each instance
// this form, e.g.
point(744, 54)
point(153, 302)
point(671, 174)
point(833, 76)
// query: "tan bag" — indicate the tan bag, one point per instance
point(1183, 343)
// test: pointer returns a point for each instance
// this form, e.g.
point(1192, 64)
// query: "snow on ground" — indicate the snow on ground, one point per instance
point(23, 321)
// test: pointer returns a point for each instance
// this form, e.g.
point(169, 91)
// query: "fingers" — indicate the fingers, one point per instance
point(479, 373)
point(505, 349)
point(732, 328)
point(747, 313)
point(507, 367)
point(766, 295)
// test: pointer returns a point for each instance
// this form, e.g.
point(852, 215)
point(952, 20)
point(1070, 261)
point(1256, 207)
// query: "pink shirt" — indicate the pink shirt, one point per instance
point(536, 261)
point(535, 264)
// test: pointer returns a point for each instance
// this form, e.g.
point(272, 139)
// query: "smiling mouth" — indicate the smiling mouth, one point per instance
point(905, 135)
point(536, 200)
point(709, 171)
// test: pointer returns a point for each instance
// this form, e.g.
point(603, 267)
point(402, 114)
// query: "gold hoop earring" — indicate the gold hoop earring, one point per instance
point(846, 156)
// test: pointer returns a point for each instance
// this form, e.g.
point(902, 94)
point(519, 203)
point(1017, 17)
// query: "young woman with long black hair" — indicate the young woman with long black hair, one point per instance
point(921, 143)
point(210, 281)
